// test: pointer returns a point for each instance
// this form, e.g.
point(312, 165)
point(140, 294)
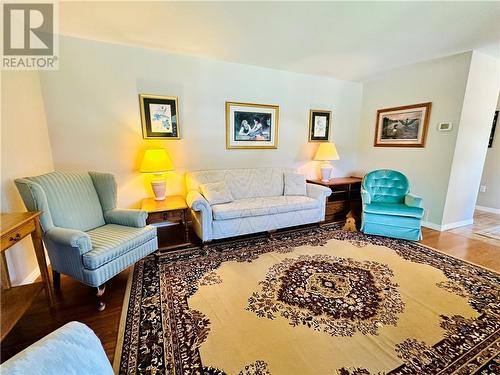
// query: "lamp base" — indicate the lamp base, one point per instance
point(159, 189)
point(326, 172)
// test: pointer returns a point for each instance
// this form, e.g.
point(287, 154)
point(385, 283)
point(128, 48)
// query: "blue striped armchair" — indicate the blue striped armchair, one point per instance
point(86, 236)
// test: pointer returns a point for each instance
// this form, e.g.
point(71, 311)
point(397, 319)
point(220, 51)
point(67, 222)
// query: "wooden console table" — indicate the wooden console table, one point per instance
point(345, 197)
point(16, 300)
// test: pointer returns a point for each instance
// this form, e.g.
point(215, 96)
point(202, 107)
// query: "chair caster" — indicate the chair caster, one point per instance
point(101, 305)
point(100, 290)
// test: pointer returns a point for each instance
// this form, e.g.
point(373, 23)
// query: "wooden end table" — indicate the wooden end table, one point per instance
point(345, 198)
point(173, 209)
point(16, 300)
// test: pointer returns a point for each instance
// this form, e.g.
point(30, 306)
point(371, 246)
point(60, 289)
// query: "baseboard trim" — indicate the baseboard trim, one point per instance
point(430, 225)
point(457, 224)
point(445, 227)
point(488, 209)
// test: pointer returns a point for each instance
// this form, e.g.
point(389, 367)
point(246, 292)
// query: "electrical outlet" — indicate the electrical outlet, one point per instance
point(482, 188)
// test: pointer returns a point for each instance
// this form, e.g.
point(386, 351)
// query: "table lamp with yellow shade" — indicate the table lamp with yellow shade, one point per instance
point(157, 162)
point(326, 152)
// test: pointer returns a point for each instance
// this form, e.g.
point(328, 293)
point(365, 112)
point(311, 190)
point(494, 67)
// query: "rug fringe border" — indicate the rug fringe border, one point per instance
point(123, 320)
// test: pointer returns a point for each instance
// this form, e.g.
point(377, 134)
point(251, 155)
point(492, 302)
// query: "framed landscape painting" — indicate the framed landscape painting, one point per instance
point(319, 125)
point(404, 126)
point(251, 126)
point(159, 117)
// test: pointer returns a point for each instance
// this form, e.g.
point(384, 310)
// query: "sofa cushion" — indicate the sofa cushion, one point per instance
point(391, 220)
point(395, 209)
point(295, 184)
point(216, 193)
point(243, 183)
point(112, 241)
point(262, 206)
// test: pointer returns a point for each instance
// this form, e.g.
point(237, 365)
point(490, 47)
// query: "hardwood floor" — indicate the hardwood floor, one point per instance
point(482, 221)
point(75, 301)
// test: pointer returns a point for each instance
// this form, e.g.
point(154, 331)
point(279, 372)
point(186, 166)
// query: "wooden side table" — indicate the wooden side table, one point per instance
point(345, 197)
point(16, 300)
point(173, 209)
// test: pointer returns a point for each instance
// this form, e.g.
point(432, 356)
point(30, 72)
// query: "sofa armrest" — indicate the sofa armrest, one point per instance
point(365, 197)
point(413, 200)
point(317, 191)
point(126, 217)
point(71, 238)
point(197, 202)
point(202, 215)
point(72, 349)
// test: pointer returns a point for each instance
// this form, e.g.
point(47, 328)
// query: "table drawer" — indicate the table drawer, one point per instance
point(335, 207)
point(14, 236)
point(158, 217)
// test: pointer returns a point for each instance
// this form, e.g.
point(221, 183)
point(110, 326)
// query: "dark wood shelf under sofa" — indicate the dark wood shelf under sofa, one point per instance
point(345, 197)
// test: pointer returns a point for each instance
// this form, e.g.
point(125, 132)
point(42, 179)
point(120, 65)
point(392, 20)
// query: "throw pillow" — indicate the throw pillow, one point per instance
point(295, 184)
point(216, 193)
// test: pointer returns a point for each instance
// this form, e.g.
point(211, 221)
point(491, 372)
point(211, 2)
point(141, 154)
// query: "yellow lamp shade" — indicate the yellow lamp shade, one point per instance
point(156, 161)
point(326, 151)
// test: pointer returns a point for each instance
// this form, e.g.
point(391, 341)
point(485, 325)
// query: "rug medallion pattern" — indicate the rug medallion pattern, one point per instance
point(335, 297)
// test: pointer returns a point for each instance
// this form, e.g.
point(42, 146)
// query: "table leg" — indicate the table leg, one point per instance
point(5, 272)
point(186, 226)
point(36, 236)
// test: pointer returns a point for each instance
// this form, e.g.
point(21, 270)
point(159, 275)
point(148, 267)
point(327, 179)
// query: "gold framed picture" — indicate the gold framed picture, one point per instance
point(404, 126)
point(159, 117)
point(319, 125)
point(251, 126)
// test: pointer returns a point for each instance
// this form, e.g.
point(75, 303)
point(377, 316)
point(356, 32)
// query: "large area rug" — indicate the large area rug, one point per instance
point(314, 301)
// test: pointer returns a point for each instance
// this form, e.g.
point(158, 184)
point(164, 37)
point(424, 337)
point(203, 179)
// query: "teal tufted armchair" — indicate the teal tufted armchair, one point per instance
point(86, 236)
point(388, 207)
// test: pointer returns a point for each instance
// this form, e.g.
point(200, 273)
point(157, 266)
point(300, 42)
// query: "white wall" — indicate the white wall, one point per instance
point(93, 110)
point(441, 82)
point(491, 173)
point(481, 96)
point(25, 151)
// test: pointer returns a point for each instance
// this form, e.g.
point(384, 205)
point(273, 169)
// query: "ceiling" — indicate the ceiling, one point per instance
point(346, 40)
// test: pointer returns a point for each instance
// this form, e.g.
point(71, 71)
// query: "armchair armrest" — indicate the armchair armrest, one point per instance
point(365, 197)
point(413, 200)
point(317, 191)
point(72, 349)
point(71, 238)
point(126, 217)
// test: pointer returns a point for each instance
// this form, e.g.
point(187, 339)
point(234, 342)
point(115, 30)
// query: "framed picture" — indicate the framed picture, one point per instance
point(251, 126)
point(492, 133)
point(402, 126)
point(159, 117)
point(319, 125)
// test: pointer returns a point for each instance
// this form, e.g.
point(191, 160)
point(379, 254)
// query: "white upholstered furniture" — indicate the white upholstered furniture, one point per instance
point(259, 203)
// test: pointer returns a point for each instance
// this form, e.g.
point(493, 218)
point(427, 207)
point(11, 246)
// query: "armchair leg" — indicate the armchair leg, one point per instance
point(56, 279)
point(101, 305)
